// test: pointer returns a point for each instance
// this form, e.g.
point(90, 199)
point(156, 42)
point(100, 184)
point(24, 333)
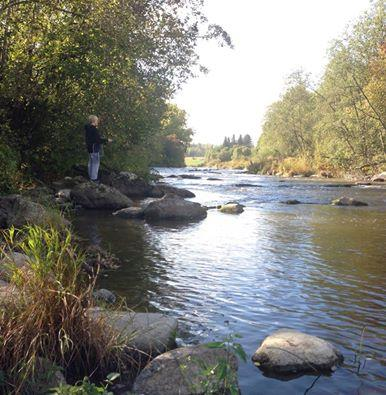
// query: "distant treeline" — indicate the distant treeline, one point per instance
point(242, 140)
point(122, 60)
point(337, 125)
point(340, 122)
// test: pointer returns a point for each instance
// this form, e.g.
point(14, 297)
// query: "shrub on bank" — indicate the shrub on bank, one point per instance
point(43, 319)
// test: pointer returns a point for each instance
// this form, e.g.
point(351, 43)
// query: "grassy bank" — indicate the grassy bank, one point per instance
point(191, 161)
point(43, 321)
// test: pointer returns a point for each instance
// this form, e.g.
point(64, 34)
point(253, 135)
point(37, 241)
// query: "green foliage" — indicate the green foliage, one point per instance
point(340, 124)
point(221, 379)
point(198, 150)
point(9, 169)
point(122, 60)
point(44, 318)
point(85, 387)
point(175, 137)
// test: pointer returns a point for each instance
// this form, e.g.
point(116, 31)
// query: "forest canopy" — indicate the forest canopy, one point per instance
point(339, 123)
point(61, 60)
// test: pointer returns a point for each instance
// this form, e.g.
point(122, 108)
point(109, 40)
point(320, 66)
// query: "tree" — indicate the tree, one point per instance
point(240, 140)
point(233, 141)
point(175, 136)
point(247, 140)
point(62, 60)
point(226, 142)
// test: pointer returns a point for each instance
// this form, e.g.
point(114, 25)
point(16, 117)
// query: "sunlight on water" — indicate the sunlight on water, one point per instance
point(313, 267)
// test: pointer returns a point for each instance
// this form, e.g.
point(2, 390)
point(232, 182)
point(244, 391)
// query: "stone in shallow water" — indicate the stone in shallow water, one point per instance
point(346, 201)
point(289, 351)
point(180, 372)
point(292, 201)
point(150, 333)
point(172, 207)
point(232, 208)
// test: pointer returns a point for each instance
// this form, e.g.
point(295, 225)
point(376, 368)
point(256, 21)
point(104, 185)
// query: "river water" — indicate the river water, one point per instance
point(312, 267)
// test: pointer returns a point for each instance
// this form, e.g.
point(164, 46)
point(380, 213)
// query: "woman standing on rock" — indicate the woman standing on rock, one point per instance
point(94, 143)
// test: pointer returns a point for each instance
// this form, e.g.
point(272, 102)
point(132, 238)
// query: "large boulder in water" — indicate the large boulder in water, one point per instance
point(17, 211)
point(289, 351)
point(346, 201)
point(161, 189)
point(99, 196)
point(182, 372)
point(172, 207)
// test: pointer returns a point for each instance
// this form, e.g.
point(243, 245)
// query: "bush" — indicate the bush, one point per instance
point(9, 169)
point(45, 318)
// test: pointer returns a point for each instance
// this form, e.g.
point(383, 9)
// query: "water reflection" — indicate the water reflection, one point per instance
point(315, 268)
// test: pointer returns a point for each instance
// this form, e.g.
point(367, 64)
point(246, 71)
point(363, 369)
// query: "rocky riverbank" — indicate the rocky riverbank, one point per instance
point(150, 337)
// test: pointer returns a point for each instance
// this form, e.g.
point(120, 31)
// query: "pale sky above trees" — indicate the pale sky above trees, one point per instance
point(271, 39)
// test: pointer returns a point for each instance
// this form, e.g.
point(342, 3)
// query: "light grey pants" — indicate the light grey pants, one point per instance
point(93, 165)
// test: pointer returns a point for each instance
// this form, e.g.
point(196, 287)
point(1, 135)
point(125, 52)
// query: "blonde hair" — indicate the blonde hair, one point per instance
point(93, 119)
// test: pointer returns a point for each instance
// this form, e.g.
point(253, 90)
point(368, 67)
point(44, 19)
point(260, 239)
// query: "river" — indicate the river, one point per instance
point(313, 267)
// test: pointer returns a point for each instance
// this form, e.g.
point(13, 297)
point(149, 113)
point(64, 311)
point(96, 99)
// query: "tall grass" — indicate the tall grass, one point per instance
point(46, 320)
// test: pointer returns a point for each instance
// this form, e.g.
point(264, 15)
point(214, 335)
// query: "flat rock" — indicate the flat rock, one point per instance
point(150, 333)
point(90, 195)
point(130, 213)
point(180, 372)
point(172, 207)
point(346, 201)
point(231, 208)
point(289, 351)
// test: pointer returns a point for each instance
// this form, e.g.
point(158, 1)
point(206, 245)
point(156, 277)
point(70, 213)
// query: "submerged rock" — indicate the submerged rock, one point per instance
point(213, 179)
point(150, 333)
point(181, 372)
point(292, 201)
point(231, 208)
point(346, 201)
point(289, 351)
point(189, 177)
point(99, 196)
point(130, 213)
point(172, 207)
point(17, 211)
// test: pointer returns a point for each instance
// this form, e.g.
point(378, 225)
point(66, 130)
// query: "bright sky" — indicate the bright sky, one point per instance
point(272, 38)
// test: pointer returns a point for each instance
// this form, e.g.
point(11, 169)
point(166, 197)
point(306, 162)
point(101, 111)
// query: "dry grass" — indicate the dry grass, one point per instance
point(46, 318)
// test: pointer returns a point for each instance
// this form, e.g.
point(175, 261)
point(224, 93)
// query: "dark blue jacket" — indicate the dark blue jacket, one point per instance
point(93, 139)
